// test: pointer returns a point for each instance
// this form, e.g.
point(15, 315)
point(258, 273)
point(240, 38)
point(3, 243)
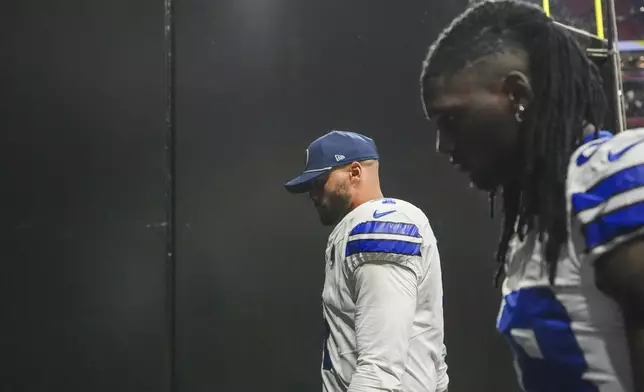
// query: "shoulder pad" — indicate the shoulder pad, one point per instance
point(385, 231)
point(605, 189)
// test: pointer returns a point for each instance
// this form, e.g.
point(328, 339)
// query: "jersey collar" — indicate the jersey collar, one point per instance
point(602, 135)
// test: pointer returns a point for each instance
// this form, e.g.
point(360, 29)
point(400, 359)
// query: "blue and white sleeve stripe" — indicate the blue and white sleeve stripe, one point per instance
point(613, 208)
point(376, 237)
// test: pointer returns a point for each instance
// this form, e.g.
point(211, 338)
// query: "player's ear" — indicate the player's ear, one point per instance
point(517, 86)
point(355, 171)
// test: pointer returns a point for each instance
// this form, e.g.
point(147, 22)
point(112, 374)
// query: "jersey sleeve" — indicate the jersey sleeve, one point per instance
point(384, 316)
point(396, 241)
point(607, 198)
point(441, 372)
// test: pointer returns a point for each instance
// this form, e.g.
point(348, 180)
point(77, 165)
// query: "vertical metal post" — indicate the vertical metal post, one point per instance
point(616, 100)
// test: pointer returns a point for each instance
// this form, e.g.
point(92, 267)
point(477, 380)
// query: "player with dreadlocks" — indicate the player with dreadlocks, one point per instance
point(518, 107)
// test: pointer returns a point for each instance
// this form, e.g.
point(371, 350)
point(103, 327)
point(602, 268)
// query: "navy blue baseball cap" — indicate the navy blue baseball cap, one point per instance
point(334, 149)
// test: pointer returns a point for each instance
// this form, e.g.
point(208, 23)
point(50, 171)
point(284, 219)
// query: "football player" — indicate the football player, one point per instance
point(382, 297)
point(518, 106)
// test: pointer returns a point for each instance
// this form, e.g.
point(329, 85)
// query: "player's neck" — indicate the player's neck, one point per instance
point(365, 197)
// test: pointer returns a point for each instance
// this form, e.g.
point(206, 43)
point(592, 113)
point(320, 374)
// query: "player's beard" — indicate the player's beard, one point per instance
point(334, 207)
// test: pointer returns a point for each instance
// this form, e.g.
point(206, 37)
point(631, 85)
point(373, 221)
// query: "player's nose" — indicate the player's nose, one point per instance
point(312, 196)
point(444, 145)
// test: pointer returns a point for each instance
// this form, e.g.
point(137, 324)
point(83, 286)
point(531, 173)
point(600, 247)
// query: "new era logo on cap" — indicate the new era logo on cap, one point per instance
point(334, 149)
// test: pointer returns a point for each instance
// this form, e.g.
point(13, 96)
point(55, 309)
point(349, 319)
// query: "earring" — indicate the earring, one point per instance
point(518, 115)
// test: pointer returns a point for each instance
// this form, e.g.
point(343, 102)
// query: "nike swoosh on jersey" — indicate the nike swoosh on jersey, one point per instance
point(613, 156)
point(377, 214)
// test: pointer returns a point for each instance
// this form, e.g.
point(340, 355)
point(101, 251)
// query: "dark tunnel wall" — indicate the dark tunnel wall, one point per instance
point(257, 81)
point(84, 190)
point(83, 185)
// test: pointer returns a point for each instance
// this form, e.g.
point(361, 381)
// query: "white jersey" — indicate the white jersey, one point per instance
point(383, 302)
point(570, 336)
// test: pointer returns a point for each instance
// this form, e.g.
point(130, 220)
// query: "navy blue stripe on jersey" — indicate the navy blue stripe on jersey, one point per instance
point(382, 246)
point(614, 224)
point(378, 227)
point(620, 182)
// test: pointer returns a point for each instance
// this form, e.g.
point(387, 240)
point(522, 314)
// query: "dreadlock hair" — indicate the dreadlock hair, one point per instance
point(568, 93)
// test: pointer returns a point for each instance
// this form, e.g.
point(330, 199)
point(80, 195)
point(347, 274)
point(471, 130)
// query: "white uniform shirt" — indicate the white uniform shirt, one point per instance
point(570, 336)
point(383, 302)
